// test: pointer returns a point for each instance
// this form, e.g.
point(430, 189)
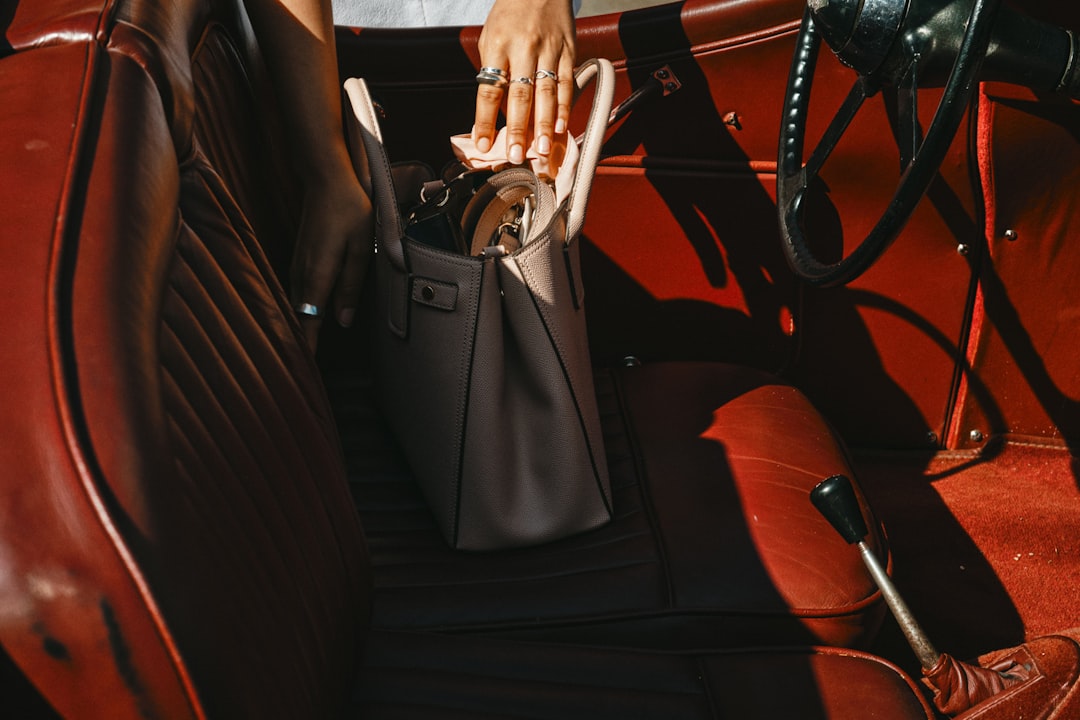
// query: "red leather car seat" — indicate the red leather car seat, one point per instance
point(179, 538)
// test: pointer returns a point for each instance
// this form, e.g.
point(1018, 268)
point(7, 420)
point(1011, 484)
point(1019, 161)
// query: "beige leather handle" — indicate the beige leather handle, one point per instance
point(603, 72)
point(382, 181)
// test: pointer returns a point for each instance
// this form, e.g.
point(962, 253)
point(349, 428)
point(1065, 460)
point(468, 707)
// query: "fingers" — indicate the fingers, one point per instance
point(565, 92)
point(554, 97)
point(333, 251)
point(533, 44)
point(312, 277)
point(354, 271)
point(519, 98)
point(515, 85)
point(313, 270)
point(546, 108)
point(488, 103)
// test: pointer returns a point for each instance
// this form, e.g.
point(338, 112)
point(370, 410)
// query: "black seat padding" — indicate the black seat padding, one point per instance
point(714, 544)
point(414, 676)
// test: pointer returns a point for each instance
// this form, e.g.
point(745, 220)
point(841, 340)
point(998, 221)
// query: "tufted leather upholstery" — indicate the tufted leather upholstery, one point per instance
point(178, 538)
point(175, 514)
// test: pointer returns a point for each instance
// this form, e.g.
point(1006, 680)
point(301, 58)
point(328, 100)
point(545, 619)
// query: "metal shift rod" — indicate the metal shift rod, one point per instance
point(835, 499)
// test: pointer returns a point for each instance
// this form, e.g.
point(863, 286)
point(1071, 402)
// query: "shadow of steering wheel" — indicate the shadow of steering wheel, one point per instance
point(715, 231)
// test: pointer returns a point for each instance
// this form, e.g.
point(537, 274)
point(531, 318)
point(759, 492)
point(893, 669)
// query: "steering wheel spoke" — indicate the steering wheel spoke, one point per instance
point(840, 122)
point(909, 132)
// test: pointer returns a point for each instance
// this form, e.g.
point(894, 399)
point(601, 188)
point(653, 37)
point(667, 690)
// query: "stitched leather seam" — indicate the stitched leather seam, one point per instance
point(706, 689)
point(561, 356)
point(175, 397)
point(245, 239)
point(263, 465)
point(643, 480)
point(293, 357)
point(248, 318)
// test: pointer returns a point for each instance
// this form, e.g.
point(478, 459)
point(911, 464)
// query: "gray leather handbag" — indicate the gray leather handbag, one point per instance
point(483, 361)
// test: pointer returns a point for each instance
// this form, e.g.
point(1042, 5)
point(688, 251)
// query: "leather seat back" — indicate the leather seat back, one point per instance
point(178, 534)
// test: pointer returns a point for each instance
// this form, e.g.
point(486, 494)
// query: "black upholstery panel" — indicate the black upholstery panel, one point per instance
point(414, 677)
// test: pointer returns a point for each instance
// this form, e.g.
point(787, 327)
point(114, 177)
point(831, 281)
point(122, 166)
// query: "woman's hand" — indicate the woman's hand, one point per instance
point(333, 250)
point(336, 235)
point(532, 43)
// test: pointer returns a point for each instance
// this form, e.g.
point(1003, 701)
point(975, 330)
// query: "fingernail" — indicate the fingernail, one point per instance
point(543, 145)
point(517, 154)
point(560, 126)
point(345, 317)
point(483, 144)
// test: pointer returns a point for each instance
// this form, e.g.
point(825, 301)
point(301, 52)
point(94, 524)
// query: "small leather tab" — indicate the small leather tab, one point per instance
point(434, 294)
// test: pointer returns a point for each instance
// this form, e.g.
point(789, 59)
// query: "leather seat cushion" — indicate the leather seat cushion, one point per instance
point(409, 675)
point(714, 543)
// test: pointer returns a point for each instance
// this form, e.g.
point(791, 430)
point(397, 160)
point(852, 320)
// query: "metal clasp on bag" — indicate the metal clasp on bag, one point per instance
point(436, 195)
point(429, 206)
point(511, 234)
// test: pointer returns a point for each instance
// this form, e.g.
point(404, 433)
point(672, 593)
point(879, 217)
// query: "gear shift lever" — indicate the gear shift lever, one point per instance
point(835, 499)
point(957, 686)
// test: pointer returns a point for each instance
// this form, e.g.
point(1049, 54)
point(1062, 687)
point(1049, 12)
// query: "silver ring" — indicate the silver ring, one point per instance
point(493, 71)
point(307, 309)
point(546, 75)
point(523, 80)
point(488, 77)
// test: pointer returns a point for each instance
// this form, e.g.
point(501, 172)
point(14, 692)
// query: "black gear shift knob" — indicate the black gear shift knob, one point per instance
point(835, 499)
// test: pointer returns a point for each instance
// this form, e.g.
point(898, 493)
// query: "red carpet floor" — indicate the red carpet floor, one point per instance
point(986, 550)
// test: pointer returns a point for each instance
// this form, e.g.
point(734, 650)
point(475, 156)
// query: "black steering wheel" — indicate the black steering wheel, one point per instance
point(878, 68)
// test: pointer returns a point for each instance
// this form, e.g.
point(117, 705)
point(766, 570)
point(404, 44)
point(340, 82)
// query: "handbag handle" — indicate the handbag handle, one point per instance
point(382, 182)
point(387, 217)
point(593, 139)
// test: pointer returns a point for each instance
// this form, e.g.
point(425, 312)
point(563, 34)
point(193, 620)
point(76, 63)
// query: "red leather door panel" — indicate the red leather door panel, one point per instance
point(682, 253)
point(1025, 379)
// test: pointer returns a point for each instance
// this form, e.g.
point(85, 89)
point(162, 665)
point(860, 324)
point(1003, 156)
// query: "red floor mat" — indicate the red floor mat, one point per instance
point(986, 548)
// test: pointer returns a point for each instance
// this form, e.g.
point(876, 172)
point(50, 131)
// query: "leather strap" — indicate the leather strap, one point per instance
point(604, 73)
point(388, 221)
point(501, 194)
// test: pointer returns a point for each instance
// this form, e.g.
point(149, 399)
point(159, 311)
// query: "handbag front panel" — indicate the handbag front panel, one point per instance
point(424, 373)
point(489, 392)
point(537, 470)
